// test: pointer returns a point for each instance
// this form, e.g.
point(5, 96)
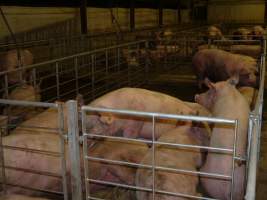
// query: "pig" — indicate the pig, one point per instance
point(174, 158)
point(9, 61)
point(206, 46)
point(201, 110)
point(126, 151)
point(139, 100)
point(258, 32)
point(20, 197)
point(250, 94)
point(23, 92)
point(242, 34)
point(131, 56)
point(225, 101)
point(248, 50)
point(219, 65)
point(36, 139)
point(214, 33)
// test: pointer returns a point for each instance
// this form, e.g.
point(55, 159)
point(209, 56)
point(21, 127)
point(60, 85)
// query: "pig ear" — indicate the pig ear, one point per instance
point(209, 84)
point(233, 80)
point(107, 119)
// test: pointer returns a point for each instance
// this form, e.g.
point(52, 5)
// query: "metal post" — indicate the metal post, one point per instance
point(93, 75)
point(74, 149)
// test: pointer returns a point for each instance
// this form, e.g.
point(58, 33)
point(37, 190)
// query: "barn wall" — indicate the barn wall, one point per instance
point(99, 19)
point(169, 16)
point(246, 11)
point(26, 18)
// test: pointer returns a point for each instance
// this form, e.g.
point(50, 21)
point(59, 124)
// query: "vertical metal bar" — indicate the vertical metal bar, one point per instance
point(85, 150)
point(146, 61)
point(153, 158)
point(93, 75)
point(250, 129)
point(6, 86)
point(62, 150)
point(106, 68)
point(76, 75)
point(34, 83)
point(118, 59)
point(233, 160)
point(74, 149)
point(2, 163)
point(57, 79)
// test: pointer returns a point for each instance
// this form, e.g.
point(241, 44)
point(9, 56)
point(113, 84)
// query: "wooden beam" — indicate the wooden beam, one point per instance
point(132, 15)
point(83, 15)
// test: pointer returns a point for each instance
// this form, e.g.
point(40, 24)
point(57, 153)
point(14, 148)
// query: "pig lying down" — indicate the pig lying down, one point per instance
point(174, 158)
point(225, 101)
point(23, 167)
point(118, 151)
point(138, 100)
point(219, 65)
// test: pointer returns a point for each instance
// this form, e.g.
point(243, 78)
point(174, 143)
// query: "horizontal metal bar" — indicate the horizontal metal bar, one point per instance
point(48, 153)
point(73, 56)
point(146, 189)
point(159, 115)
point(34, 189)
point(28, 103)
point(33, 171)
point(156, 167)
point(159, 143)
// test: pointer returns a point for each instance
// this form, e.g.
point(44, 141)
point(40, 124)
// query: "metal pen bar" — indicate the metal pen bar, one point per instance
point(146, 189)
point(160, 143)
point(74, 149)
point(27, 103)
point(85, 150)
point(159, 168)
point(153, 159)
point(233, 161)
point(2, 159)
point(62, 150)
point(159, 115)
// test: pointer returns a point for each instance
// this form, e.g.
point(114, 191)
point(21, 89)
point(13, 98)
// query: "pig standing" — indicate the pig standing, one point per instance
point(119, 151)
point(139, 100)
point(9, 61)
point(242, 34)
point(214, 33)
point(258, 32)
point(219, 65)
point(174, 158)
point(224, 101)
